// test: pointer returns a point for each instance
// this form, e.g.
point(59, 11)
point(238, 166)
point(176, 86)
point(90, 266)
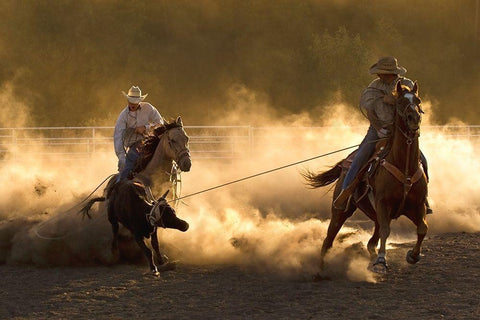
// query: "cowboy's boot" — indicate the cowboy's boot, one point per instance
point(342, 199)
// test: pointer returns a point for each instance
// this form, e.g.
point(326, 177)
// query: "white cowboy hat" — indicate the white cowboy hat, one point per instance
point(387, 65)
point(134, 95)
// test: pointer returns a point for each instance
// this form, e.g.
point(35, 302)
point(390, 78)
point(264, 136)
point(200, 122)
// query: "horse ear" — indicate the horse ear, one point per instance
point(415, 87)
point(179, 121)
point(164, 195)
point(398, 87)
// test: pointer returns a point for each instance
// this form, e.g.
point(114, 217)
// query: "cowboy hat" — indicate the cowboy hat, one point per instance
point(387, 65)
point(134, 95)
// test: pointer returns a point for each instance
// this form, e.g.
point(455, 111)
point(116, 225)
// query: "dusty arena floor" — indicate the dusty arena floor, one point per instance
point(445, 284)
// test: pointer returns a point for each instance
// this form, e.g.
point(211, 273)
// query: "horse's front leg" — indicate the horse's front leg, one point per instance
point(383, 218)
point(114, 222)
point(413, 256)
point(373, 242)
point(148, 254)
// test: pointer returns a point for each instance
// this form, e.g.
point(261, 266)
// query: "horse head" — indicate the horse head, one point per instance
point(408, 109)
point(177, 144)
point(163, 215)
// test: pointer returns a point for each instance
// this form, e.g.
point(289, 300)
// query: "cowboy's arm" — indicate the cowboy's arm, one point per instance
point(371, 101)
point(118, 136)
point(155, 119)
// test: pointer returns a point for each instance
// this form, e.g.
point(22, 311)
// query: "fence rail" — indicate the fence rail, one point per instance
point(205, 141)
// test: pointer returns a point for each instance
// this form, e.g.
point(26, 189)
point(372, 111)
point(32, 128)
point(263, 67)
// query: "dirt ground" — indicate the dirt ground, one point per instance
point(445, 284)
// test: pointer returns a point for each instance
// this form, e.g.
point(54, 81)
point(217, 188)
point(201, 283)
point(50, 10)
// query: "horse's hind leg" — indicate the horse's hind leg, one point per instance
point(336, 222)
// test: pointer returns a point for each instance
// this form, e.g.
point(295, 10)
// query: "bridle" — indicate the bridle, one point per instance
point(156, 220)
point(185, 152)
point(410, 136)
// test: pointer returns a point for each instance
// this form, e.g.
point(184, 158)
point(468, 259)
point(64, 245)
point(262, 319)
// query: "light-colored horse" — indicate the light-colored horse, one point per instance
point(169, 143)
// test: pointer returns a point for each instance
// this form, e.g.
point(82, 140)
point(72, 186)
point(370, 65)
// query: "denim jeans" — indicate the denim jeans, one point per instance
point(131, 159)
point(365, 151)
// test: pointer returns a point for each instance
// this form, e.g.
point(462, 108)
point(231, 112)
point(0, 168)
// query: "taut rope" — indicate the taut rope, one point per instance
point(263, 172)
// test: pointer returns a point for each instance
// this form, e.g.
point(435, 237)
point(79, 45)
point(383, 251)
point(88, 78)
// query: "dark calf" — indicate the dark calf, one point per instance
point(129, 205)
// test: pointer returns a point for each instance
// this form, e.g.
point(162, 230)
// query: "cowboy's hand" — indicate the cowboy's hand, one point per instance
point(121, 162)
point(140, 130)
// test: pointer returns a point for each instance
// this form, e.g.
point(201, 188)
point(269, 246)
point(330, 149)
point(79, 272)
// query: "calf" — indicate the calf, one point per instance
point(129, 205)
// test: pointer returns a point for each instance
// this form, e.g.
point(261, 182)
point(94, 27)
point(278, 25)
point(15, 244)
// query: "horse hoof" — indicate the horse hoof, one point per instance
point(379, 266)
point(411, 259)
point(168, 266)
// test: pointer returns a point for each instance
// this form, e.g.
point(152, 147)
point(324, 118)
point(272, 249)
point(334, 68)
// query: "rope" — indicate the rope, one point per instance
point(44, 223)
point(262, 173)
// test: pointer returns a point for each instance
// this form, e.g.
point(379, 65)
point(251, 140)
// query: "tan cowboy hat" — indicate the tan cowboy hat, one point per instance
point(387, 65)
point(134, 95)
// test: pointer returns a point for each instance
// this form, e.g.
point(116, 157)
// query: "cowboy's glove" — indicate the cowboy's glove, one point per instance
point(383, 133)
point(121, 162)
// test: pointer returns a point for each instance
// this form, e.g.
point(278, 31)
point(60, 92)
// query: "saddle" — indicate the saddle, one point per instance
point(360, 184)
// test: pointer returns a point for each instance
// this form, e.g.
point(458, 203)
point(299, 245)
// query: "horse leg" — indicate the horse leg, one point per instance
point(114, 222)
point(164, 264)
point(373, 242)
point(383, 218)
point(148, 254)
point(413, 256)
point(336, 222)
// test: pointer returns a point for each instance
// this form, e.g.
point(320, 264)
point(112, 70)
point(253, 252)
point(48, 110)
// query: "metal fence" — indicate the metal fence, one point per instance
point(205, 141)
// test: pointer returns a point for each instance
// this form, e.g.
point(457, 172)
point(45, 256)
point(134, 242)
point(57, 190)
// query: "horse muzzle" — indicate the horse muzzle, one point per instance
point(184, 161)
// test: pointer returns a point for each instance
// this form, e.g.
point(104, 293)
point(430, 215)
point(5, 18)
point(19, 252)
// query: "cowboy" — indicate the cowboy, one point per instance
point(378, 101)
point(132, 124)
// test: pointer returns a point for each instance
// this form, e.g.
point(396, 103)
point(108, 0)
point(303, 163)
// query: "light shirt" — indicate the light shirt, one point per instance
point(380, 114)
point(124, 135)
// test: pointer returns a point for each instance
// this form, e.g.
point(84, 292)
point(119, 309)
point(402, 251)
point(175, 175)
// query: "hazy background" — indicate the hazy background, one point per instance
point(68, 61)
point(262, 63)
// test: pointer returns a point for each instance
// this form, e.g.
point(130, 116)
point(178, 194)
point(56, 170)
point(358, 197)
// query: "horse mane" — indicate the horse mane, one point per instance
point(149, 145)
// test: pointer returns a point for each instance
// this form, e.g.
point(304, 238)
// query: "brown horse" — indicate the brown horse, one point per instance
point(397, 187)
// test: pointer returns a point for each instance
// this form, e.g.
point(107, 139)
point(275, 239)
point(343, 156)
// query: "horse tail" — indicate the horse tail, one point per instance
point(323, 178)
point(86, 208)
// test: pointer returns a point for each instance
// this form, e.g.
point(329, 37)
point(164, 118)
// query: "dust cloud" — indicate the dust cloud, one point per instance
point(270, 223)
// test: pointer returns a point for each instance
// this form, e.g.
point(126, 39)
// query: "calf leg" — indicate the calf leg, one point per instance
point(154, 241)
point(148, 254)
